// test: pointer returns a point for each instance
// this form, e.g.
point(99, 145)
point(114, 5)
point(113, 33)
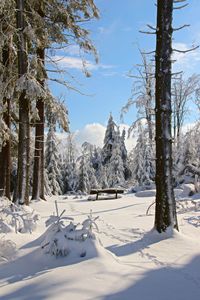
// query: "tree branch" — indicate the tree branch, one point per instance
point(147, 32)
point(147, 53)
point(181, 27)
point(180, 7)
point(185, 51)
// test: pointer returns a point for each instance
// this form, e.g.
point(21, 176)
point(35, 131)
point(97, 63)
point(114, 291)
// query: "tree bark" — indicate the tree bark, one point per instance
point(22, 193)
point(38, 170)
point(165, 215)
point(5, 156)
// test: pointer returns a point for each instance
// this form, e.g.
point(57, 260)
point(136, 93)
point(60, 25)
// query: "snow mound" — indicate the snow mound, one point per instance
point(146, 193)
point(177, 192)
point(7, 249)
point(18, 218)
point(188, 190)
point(152, 193)
point(74, 240)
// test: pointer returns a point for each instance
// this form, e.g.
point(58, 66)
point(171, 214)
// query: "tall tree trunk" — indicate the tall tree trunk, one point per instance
point(38, 170)
point(165, 215)
point(22, 193)
point(7, 149)
point(5, 157)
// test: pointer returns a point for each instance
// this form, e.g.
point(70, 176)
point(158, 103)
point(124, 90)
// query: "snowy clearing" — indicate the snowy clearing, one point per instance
point(126, 261)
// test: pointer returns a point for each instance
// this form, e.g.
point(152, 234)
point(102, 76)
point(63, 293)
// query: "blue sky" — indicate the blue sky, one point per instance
point(116, 37)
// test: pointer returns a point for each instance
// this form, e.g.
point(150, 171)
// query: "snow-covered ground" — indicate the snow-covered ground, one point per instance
point(130, 262)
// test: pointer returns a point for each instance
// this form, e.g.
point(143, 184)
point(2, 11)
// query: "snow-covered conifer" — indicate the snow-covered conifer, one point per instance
point(109, 138)
point(52, 160)
point(84, 182)
point(87, 178)
point(143, 166)
point(116, 165)
point(70, 173)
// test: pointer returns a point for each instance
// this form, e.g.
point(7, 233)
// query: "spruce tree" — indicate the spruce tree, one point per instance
point(116, 166)
point(84, 181)
point(70, 176)
point(22, 193)
point(109, 138)
point(143, 168)
point(52, 160)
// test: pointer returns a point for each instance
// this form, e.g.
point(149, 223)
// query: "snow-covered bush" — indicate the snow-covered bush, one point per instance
point(7, 249)
point(18, 218)
point(62, 239)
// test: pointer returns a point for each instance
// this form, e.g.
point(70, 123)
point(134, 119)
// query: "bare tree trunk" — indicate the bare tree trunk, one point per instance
point(38, 171)
point(149, 101)
point(165, 215)
point(8, 153)
point(2, 171)
point(5, 156)
point(22, 193)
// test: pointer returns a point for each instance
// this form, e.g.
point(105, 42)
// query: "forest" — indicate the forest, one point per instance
point(41, 172)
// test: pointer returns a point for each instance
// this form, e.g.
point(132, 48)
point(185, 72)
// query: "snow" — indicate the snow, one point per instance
point(146, 193)
point(126, 260)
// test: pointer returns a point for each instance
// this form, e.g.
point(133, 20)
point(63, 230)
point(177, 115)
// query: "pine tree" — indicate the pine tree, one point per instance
point(22, 193)
point(70, 176)
point(38, 170)
point(109, 138)
point(102, 176)
point(39, 26)
point(87, 177)
point(5, 153)
point(52, 160)
point(100, 170)
point(84, 182)
point(7, 67)
point(124, 155)
point(143, 168)
point(116, 165)
point(58, 22)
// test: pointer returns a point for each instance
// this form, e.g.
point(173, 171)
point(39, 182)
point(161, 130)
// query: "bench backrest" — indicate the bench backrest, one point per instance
point(107, 191)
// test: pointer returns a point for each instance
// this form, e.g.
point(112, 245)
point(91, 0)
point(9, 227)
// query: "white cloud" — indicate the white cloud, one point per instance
point(185, 61)
point(70, 62)
point(72, 50)
point(91, 133)
point(130, 142)
point(94, 134)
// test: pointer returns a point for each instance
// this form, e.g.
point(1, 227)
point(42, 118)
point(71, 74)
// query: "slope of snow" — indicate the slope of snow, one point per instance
point(128, 260)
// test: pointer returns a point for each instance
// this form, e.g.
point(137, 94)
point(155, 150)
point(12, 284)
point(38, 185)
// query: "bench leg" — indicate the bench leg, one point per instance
point(97, 196)
point(116, 196)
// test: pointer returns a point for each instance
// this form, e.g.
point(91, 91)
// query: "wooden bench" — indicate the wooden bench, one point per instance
point(106, 191)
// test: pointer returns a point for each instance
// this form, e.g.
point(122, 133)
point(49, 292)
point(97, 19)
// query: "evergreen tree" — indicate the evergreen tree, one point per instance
point(124, 155)
point(22, 193)
point(56, 22)
point(116, 165)
point(36, 27)
point(109, 139)
point(102, 176)
point(7, 68)
point(83, 182)
point(70, 176)
point(52, 161)
point(87, 177)
point(100, 170)
point(143, 168)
